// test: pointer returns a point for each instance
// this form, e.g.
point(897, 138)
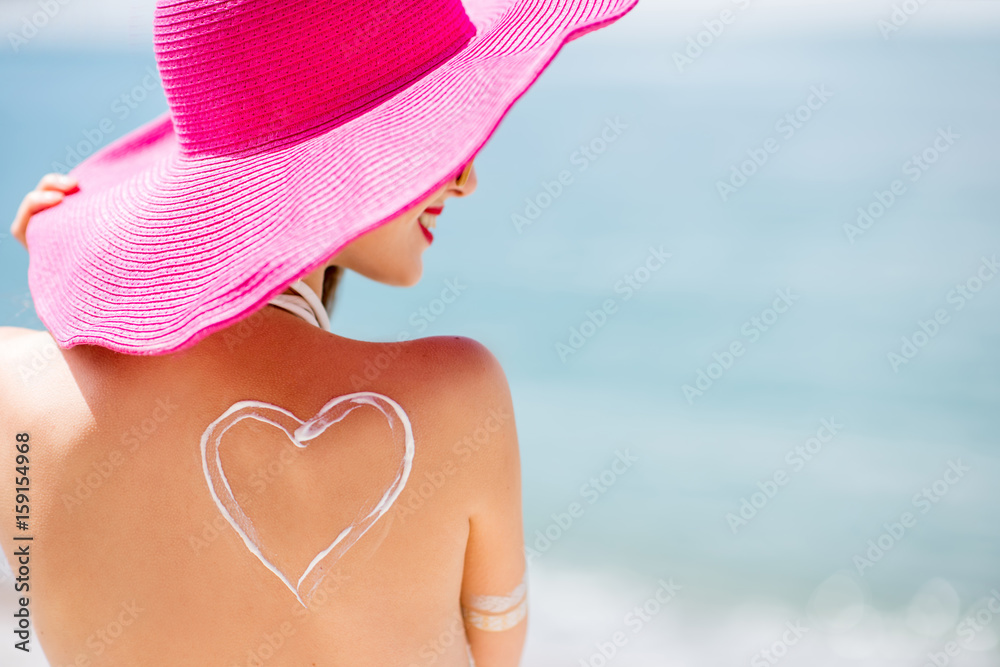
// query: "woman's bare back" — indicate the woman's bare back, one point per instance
point(152, 547)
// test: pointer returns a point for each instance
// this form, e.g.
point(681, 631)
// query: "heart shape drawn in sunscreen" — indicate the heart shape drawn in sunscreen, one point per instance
point(300, 433)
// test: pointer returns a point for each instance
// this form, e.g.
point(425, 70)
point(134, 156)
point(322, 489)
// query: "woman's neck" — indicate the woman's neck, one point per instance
point(314, 280)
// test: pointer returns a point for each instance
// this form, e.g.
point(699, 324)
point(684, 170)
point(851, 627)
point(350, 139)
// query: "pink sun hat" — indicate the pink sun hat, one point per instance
point(294, 127)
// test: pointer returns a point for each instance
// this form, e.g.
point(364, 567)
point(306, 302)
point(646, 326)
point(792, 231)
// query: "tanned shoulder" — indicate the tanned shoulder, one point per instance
point(469, 383)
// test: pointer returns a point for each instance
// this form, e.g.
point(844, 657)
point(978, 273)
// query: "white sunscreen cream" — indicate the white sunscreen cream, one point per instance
point(300, 433)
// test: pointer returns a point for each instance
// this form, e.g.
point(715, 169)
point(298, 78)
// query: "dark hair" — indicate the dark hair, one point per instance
point(331, 280)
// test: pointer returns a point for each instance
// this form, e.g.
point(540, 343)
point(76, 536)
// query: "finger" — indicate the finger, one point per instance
point(59, 182)
point(35, 201)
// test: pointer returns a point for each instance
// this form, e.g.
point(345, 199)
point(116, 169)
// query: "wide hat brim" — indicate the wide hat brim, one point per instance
point(159, 249)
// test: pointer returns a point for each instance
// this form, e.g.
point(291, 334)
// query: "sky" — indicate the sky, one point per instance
point(127, 24)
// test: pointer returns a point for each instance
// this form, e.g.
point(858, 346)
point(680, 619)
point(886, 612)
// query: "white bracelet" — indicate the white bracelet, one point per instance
point(496, 613)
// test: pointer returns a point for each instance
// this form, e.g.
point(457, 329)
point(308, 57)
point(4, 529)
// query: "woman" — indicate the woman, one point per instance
point(214, 477)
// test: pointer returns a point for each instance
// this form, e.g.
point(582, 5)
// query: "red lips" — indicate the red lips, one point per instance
point(437, 210)
point(427, 233)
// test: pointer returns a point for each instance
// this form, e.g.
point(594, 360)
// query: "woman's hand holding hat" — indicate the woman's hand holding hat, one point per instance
point(49, 192)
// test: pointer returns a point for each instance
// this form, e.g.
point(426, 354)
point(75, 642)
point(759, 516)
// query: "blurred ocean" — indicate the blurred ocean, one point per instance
point(771, 539)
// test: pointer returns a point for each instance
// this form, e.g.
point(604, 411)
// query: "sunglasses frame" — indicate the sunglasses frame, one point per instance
point(463, 177)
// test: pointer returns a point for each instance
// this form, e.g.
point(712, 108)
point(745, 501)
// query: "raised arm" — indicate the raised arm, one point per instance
point(49, 192)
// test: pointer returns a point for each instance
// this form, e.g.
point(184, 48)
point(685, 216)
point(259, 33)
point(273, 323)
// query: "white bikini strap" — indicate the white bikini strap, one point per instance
point(307, 306)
